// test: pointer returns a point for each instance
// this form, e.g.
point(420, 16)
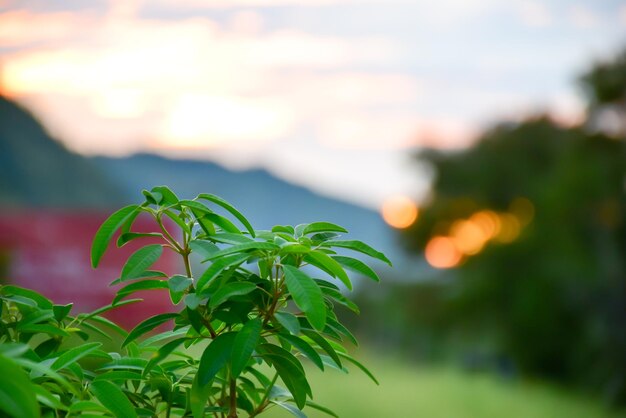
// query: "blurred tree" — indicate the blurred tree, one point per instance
point(554, 294)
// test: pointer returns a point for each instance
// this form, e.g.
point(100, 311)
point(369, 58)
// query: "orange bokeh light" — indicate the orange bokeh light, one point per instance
point(468, 236)
point(442, 253)
point(399, 212)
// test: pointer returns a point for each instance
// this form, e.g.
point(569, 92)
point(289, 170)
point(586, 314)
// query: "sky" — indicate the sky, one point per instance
point(336, 95)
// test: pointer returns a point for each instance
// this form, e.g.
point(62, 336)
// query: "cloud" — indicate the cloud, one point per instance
point(22, 28)
point(534, 13)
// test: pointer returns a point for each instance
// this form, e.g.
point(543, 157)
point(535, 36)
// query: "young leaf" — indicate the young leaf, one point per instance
point(359, 247)
point(357, 266)
point(322, 227)
point(215, 356)
point(229, 290)
point(106, 231)
point(148, 325)
point(230, 208)
point(307, 295)
point(244, 344)
point(112, 397)
point(17, 395)
point(330, 266)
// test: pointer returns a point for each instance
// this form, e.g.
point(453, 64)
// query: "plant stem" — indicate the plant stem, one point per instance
point(233, 399)
point(263, 402)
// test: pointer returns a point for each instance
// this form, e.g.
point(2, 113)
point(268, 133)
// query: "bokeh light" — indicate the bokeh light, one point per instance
point(442, 253)
point(399, 212)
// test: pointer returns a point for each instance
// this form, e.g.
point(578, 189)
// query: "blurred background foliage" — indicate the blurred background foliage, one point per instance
point(530, 222)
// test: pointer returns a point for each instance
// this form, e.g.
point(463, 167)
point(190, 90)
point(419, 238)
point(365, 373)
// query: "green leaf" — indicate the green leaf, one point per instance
point(230, 208)
point(17, 395)
point(215, 356)
point(178, 285)
point(290, 371)
point(198, 396)
point(330, 266)
point(325, 345)
point(359, 247)
point(162, 353)
point(289, 321)
point(107, 308)
point(322, 227)
point(168, 196)
point(307, 296)
point(359, 365)
point(122, 375)
point(217, 267)
point(82, 406)
point(321, 408)
point(106, 231)
point(48, 399)
point(73, 355)
point(140, 260)
point(222, 222)
point(61, 311)
point(205, 248)
point(294, 248)
point(139, 286)
point(148, 325)
point(44, 329)
point(192, 300)
point(178, 220)
point(292, 409)
point(245, 342)
point(112, 397)
point(228, 238)
point(229, 290)
point(247, 246)
point(126, 237)
point(304, 347)
point(40, 300)
point(287, 229)
point(357, 266)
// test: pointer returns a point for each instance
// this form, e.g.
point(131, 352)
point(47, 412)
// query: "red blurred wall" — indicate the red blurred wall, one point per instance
point(49, 251)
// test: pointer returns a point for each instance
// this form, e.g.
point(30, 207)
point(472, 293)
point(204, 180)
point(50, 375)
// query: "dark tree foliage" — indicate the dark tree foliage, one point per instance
point(554, 299)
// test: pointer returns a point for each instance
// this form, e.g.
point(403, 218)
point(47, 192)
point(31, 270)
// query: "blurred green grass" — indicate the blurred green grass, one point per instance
point(411, 391)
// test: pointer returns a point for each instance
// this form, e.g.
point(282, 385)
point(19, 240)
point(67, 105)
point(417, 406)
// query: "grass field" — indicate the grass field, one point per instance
point(415, 392)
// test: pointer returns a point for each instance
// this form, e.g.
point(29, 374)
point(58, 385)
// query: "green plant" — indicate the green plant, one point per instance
point(250, 316)
point(39, 357)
